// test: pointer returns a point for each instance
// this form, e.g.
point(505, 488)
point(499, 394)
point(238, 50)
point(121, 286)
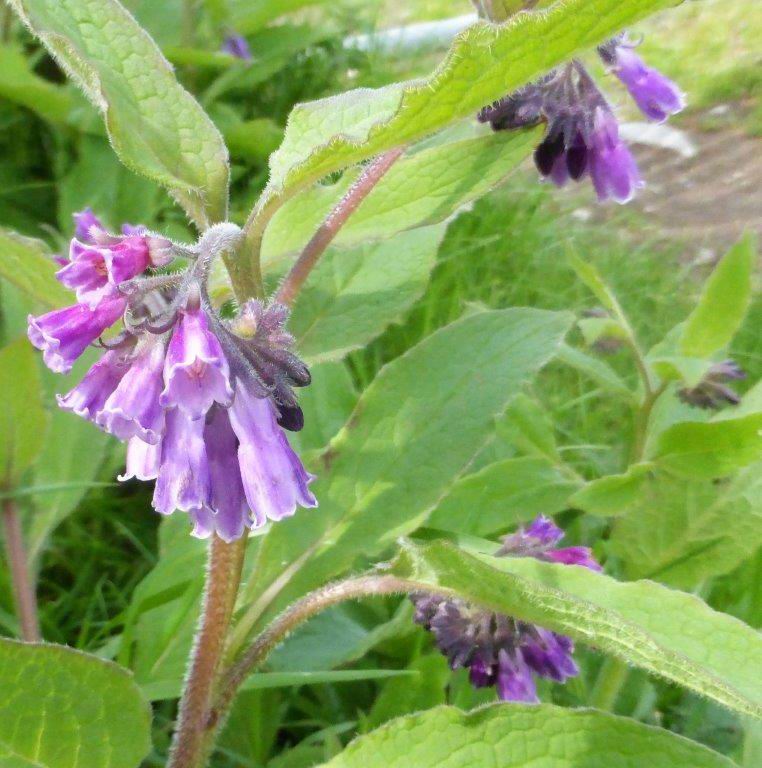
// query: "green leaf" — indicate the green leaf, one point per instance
point(65, 709)
point(683, 531)
point(326, 403)
point(353, 295)
point(613, 494)
point(485, 62)
point(667, 633)
point(712, 448)
point(422, 187)
point(521, 735)
point(596, 370)
point(413, 432)
point(28, 264)
point(19, 84)
point(155, 126)
point(402, 696)
point(503, 494)
point(100, 181)
point(73, 453)
point(22, 418)
point(690, 370)
point(723, 303)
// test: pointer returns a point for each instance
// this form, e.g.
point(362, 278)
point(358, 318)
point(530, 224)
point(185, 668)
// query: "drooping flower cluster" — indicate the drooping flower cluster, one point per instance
point(499, 650)
point(712, 392)
point(201, 402)
point(582, 137)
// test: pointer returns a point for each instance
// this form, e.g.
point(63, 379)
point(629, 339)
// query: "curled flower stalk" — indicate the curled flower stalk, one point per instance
point(500, 651)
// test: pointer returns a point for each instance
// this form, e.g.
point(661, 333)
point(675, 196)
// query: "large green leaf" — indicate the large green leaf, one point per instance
point(484, 63)
point(156, 127)
point(413, 432)
point(503, 494)
point(723, 303)
point(710, 448)
point(423, 187)
point(22, 417)
point(353, 295)
point(520, 735)
point(28, 264)
point(683, 531)
point(665, 632)
point(64, 709)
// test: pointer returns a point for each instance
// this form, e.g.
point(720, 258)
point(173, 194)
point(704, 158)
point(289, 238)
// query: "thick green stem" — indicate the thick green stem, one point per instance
point(23, 588)
point(190, 744)
point(611, 677)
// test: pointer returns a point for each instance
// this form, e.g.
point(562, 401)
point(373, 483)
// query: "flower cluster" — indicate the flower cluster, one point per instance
point(582, 137)
point(499, 650)
point(712, 392)
point(201, 402)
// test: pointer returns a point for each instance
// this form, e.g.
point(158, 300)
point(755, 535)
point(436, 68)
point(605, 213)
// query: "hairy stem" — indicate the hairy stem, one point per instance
point(189, 744)
point(333, 223)
point(23, 589)
point(292, 617)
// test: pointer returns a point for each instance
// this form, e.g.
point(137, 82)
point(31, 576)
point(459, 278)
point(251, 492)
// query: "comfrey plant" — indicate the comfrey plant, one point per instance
point(201, 339)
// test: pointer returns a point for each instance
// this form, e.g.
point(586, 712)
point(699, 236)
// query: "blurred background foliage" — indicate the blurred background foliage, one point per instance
point(94, 541)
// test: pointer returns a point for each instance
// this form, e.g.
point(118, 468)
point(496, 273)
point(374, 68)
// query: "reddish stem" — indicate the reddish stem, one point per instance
point(190, 742)
point(23, 590)
point(333, 223)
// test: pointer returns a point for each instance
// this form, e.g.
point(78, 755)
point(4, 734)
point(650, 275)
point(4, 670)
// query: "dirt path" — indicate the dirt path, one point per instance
point(708, 199)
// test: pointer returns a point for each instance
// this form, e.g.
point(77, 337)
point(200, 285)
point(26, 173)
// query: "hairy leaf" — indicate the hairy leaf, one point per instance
point(520, 735)
point(64, 709)
point(156, 127)
point(484, 63)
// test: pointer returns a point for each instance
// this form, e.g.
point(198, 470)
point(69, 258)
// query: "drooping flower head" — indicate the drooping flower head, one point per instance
point(202, 402)
point(499, 650)
point(712, 392)
point(582, 137)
